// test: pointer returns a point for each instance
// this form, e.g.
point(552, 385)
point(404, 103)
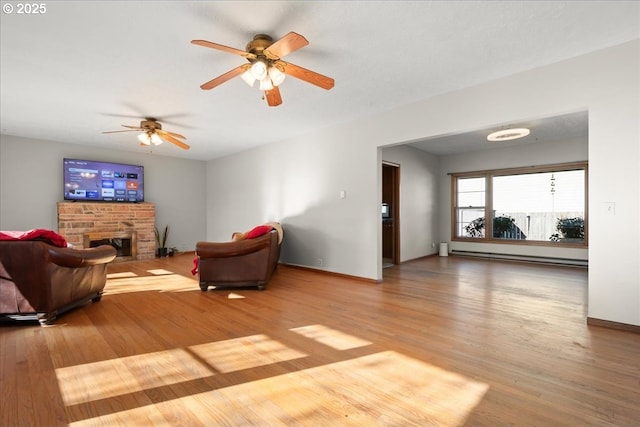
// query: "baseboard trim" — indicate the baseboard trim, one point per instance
point(523, 258)
point(613, 325)
point(331, 273)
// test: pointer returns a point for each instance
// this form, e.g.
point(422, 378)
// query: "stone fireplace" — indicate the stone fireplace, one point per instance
point(126, 226)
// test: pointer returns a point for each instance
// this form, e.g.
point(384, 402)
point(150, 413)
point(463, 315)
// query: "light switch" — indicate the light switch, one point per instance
point(343, 194)
point(610, 208)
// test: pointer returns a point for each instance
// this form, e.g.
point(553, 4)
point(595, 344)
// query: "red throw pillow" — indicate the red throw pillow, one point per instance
point(258, 231)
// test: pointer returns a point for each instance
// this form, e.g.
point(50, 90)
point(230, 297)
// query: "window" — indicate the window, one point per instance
point(537, 205)
point(471, 196)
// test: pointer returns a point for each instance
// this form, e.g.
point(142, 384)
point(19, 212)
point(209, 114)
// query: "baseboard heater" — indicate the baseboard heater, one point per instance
point(527, 258)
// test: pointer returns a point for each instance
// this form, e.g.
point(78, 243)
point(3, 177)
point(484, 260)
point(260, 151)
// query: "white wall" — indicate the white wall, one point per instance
point(298, 181)
point(534, 154)
point(298, 184)
point(31, 185)
point(419, 203)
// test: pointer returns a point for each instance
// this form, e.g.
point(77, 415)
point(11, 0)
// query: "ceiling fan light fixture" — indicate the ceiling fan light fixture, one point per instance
point(276, 76)
point(151, 131)
point(259, 70)
point(144, 138)
point(508, 134)
point(265, 84)
point(155, 139)
point(149, 137)
point(248, 78)
point(265, 65)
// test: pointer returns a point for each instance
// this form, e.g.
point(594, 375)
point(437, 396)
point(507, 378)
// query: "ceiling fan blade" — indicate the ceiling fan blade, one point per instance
point(174, 141)
point(132, 127)
point(173, 134)
point(287, 44)
point(307, 75)
point(118, 131)
point(226, 76)
point(273, 97)
point(224, 48)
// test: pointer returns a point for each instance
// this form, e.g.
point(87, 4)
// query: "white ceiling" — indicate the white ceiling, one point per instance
point(82, 68)
point(566, 127)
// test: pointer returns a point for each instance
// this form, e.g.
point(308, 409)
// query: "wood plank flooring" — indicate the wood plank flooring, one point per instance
point(446, 341)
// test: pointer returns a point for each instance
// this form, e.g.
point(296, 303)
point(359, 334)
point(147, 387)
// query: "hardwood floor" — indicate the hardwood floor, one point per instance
point(446, 341)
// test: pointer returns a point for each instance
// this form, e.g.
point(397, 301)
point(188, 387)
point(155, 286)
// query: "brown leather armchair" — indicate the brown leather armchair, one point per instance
point(41, 281)
point(243, 263)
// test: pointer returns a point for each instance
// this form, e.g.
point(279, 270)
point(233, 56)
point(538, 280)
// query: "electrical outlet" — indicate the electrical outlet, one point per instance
point(320, 262)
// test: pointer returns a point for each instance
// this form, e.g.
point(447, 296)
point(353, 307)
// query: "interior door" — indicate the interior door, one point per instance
point(391, 223)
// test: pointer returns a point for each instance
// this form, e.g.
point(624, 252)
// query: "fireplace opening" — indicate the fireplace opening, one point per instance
point(122, 246)
point(124, 243)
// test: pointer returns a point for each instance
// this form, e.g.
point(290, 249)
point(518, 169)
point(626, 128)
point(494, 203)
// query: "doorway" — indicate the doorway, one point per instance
point(390, 214)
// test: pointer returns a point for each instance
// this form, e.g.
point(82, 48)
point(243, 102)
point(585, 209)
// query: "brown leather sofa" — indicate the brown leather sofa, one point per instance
point(243, 263)
point(41, 281)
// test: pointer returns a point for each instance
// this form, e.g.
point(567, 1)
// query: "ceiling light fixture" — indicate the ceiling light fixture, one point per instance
point(148, 138)
point(268, 75)
point(276, 75)
point(508, 134)
point(248, 78)
point(259, 70)
point(266, 66)
point(266, 84)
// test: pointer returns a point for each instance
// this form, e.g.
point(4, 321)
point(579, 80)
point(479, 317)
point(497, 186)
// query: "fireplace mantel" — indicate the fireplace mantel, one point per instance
point(78, 219)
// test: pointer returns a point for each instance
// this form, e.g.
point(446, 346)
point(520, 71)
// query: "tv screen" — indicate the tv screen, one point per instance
point(93, 181)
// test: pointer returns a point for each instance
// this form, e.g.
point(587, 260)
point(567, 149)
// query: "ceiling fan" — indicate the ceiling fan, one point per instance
point(152, 133)
point(266, 66)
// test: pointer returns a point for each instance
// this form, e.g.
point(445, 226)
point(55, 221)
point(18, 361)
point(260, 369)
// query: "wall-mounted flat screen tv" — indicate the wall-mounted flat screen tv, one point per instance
point(94, 181)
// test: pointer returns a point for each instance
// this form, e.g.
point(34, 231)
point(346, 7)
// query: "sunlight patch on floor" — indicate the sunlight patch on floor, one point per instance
point(385, 388)
point(109, 378)
point(122, 275)
point(149, 415)
point(382, 388)
point(244, 353)
point(331, 337)
point(159, 272)
point(114, 377)
point(233, 295)
point(159, 283)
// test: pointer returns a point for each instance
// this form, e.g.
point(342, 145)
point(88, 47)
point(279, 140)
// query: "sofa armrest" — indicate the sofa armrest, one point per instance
point(231, 249)
point(73, 258)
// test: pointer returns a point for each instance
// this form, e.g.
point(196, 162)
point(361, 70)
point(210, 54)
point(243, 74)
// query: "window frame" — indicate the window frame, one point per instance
point(488, 231)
